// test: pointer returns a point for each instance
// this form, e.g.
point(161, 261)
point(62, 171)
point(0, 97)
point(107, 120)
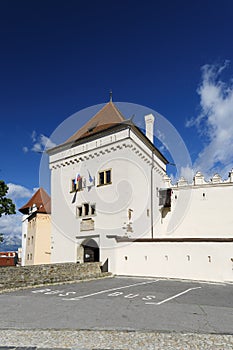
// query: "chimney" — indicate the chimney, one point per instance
point(149, 120)
point(231, 176)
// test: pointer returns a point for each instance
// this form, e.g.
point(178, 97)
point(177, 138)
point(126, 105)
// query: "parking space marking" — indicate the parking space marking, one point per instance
point(173, 297)
point(110, 290)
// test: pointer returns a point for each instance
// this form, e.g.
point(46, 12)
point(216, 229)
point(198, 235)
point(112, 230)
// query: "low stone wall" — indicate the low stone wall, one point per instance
point(23, 276)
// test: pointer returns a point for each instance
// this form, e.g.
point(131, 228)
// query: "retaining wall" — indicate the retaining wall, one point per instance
point(23, 276)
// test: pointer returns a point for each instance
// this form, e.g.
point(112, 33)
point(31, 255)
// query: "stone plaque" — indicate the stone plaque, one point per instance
point(87, 225)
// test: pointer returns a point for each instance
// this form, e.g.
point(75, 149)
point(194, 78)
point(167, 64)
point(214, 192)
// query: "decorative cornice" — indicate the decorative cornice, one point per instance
point(106, 150)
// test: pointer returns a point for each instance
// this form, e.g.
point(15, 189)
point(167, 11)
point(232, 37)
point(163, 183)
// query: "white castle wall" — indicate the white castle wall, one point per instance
point(197, 260)
point(198, 210)
point(201, 209)
point(200, 219)
point(133, 176)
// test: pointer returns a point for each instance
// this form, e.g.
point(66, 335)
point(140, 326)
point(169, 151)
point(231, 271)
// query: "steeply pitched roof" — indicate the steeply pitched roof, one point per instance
point(42, 201)
point(108, 116)
point(108, 119)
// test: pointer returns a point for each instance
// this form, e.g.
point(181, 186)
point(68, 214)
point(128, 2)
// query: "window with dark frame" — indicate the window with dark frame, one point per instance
point(86, 209)
point(165, 197)
point(105, 177)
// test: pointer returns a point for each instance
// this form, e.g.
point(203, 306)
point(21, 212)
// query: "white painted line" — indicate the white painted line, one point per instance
point(110, 290)
point(131, 296)
point(174, 296)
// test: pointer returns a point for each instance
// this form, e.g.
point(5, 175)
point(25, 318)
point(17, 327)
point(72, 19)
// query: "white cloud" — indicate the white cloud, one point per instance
point(10, 225)
point(17, 192)
point(40, 143)
point(46, 142)
point(215, 121)
point(37, 148)
point(33, 136)
point(25, 149)
point(161, 137)
point(187, 173)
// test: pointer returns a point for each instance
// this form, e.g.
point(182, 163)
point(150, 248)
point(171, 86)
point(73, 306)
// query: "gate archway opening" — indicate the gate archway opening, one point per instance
point(91, 251)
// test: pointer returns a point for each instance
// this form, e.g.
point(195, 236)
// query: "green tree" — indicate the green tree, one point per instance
point(7, 206)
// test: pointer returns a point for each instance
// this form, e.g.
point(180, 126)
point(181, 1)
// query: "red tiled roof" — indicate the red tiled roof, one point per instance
point(42, 201)
point(108, 116)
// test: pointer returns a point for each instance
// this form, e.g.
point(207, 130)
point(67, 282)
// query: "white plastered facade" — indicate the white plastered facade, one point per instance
point(132, 174)
point(192, 239)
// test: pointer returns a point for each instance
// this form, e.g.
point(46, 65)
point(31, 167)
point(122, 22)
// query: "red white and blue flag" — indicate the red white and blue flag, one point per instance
point(77, 178)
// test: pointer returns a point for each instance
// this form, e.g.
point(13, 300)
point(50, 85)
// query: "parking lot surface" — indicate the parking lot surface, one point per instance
point(132, 304)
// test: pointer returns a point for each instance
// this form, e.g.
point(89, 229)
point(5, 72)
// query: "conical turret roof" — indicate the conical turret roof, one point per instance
point(42, 201)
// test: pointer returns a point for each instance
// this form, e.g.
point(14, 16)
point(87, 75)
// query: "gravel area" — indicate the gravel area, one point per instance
point(103, 340)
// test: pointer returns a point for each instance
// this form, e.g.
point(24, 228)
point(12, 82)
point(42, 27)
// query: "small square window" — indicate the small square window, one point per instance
point(86, 209)
point(105, 177)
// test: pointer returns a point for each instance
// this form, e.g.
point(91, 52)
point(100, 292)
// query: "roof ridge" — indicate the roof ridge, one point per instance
point(117, 110)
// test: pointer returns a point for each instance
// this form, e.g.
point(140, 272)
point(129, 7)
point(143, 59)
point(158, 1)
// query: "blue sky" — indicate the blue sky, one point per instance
point(59, 57)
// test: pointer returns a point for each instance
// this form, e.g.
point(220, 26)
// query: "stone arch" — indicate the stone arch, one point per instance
point(91, 251)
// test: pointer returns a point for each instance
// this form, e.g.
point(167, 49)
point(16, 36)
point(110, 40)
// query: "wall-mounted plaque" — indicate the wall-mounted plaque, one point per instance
point(87, 225)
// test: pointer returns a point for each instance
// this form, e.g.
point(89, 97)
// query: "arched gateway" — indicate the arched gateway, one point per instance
point(90, 251)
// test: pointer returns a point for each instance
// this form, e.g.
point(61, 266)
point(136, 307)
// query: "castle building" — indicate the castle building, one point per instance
point(113, 202)
point(36, 229)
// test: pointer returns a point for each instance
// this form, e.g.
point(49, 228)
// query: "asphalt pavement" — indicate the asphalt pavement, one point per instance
point(124, 304)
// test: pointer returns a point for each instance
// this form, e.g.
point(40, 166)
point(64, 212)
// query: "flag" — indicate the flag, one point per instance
point(91, 181)
point(77, 178)
point(90, 177)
